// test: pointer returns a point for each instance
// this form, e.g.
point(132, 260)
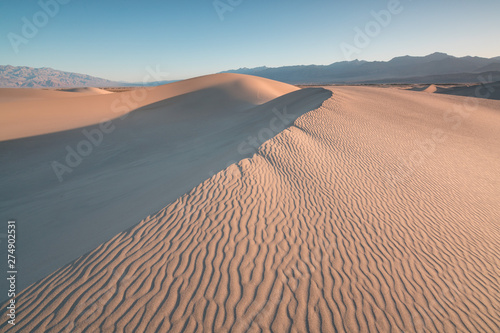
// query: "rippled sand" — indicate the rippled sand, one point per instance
point(378, 211)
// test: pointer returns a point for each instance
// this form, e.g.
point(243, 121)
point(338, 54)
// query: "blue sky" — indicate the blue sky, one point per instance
point(118, 40)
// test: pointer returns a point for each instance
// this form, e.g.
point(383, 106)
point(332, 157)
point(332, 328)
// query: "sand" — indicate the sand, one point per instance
point(148, 159)
point(88, 91)
point(483, 90)
point(490, 90)
point(377, 211)
point(431, 88)
point(54, 115)
point(18, 94)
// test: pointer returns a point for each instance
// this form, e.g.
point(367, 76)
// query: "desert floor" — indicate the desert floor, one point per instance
point(371, 209)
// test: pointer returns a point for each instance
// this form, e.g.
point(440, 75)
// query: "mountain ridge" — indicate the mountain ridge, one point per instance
point(402, 69)
point(360, 71)
point(46, 77)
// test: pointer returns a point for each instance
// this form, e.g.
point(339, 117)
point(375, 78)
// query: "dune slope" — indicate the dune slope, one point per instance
point(88, 91)
point(431, 88)
point(24, 117)
point(377, 211)
point(8, 95)
point(485, 90)
point(78, 188)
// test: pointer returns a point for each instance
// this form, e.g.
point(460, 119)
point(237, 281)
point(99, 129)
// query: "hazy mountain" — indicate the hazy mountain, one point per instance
point(491, 67)
point(20, 77)
point(434, 68)
point(398, 70)
point(489, 76)
point(28, 77)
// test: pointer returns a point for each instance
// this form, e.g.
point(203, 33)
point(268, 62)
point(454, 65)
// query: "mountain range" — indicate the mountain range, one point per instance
point(434, 68)
point(28, 77)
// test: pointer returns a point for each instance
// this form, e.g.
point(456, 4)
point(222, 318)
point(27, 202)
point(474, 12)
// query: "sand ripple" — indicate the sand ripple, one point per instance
point(322, 230)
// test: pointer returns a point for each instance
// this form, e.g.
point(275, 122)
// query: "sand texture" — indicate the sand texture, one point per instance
point(149, 157)
point(377, 211)
point(488, 90)
point(91, 106)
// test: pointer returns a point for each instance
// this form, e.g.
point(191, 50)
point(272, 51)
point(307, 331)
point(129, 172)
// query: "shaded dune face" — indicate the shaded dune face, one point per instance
point(88, 91)
point(24, 117)
point(8, 95)
point(328, 227)
point(483, 90)
point(152, 156)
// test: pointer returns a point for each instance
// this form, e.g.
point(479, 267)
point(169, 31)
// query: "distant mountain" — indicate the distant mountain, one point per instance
point(148, 84)
point(491, 67)
point(488, 76)
point(396, 70)
point(28, 77)
point(434, 68)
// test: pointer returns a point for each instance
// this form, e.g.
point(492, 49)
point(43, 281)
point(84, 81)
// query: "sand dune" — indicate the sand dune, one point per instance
point(486, 90)
point(28, 95)
point(78, 188)
point(431, 88)
point(483, 90)
point(23, 118)
point(20, 94)
point(16, 94)
point(378, 211)
point(88, 91)
point(415, 88)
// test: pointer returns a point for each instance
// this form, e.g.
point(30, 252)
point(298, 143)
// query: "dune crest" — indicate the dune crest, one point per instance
point(8, 95)
point(324, 229)
point(25, 118)
point(431, 89)
point(88, 91)
point(143, 161)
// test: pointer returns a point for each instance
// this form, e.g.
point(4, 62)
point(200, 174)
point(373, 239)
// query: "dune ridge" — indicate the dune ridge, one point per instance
point(320, 230)
point(150, 157)
point(16, 94)
point(23, 118)
point(431, 88)
point(489, 90)
point(88, 90)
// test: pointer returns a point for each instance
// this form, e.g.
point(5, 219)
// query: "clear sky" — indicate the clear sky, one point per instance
point(119, 39)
